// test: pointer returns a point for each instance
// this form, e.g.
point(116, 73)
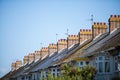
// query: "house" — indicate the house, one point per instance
point(98, 47)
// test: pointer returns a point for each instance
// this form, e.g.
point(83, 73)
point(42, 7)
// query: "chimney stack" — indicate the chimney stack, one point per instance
point(13, 66)
point(18, 64)
point(72, 39)
point(44, 52)
point(26, 60)
point(62, 44)
point(37, 55)
point(52, 48)
point(31, 57)
point(84, 34)
point(99, 28)
point(114, 22)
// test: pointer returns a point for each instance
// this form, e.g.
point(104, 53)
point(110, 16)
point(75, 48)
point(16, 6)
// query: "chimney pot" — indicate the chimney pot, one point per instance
point(101, 23)
point(80, 30)
point(104, 23)
point(111, 16)
point(100, 28)
point(115, 16)
point(98, 23)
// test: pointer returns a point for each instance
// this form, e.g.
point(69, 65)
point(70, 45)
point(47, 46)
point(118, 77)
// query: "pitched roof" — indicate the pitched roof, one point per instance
point(111, 40)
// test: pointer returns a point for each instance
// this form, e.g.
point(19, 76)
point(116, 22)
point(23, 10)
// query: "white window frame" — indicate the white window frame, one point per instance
point(97, 60)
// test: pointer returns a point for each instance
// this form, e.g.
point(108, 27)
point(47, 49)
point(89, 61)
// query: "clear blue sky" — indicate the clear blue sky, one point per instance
point(24, 24)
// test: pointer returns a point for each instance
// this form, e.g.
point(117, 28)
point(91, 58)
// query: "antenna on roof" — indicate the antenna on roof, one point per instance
point(56, 37)
point(92, 26)
point(67, 38)
point(56, 41)
point(92, 19)
point(67, 32)
point(40, 50)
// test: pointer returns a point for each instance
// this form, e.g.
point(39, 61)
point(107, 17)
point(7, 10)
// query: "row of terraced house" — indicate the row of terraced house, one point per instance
point(98, 47)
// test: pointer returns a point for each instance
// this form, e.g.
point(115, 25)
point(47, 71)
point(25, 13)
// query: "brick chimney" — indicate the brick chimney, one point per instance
point(31, 57)
point(13, 66)
point(99, 28)
point(52, 48)
point(72, 39)
point(44, 52)
point(84, 34)
point(26, 60)
point(62, 44)
point(18, 64)
point(37, 55)
point(114, 22)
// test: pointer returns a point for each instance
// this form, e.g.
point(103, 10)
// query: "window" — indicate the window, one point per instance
point(104, 64)
point(34, 76)
point(81, 63)
point(26, 77)
point(95, 58)
point(53, 70)
point(78, 63)
point(22, 78)
point(87, 62)
point(100, 58)
point(46, 72)
point(116, 58)
point(100, 67)
point(116, 66)
point(96, 64)
point(107, 66)
point(29, 77)
point(107, 57)
point(116, 63)
point(58, 70)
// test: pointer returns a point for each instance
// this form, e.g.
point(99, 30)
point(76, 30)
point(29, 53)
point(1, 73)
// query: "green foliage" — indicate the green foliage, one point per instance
point(89, 73)
point(75, 73)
